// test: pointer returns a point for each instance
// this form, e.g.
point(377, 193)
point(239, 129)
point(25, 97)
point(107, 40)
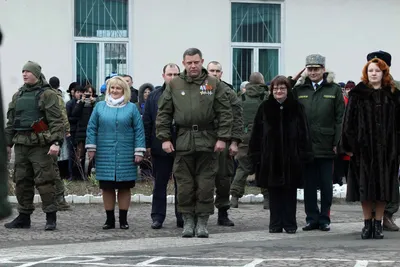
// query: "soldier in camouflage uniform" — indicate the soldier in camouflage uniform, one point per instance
point(5, 207)
point(226, 164)
point(255, 93)
point(59, 184)
point(199, 105)
point(35, 128)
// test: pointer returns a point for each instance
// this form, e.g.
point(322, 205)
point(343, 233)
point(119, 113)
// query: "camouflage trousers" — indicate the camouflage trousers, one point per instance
point(34, 167)
point(195, 178)
point(242, 172)
point(223, 179)
point(59, 184)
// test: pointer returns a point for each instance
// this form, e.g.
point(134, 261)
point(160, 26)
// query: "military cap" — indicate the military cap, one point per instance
point(385, 56)
point(315, 60)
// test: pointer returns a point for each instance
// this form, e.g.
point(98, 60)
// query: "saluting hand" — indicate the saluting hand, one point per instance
point(54, 150)
point(350, 154)
point(219, 146)
point(168, 147)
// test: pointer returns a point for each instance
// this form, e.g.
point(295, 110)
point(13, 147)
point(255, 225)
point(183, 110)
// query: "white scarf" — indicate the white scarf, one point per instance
point(115, 102)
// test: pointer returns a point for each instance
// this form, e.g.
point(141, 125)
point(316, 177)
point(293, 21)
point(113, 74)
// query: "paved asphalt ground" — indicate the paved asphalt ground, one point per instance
point(80, 241)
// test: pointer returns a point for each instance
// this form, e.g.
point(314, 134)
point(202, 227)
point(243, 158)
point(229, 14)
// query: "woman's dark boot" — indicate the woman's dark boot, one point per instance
point(123, 222)
point(110, 223)
point(377, 234)
point(366, 232)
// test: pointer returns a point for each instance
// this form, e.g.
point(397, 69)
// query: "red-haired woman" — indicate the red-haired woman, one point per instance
point(370, 138)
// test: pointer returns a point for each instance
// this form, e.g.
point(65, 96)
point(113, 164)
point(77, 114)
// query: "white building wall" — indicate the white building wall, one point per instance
point(342, 30)
point(162, 34)
point(39, 30)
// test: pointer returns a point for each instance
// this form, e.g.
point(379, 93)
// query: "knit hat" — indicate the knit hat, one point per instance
point(33, 67)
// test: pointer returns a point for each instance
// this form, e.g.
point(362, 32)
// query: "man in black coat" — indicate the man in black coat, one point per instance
point(5, 208)
point(134, 91)
point(162, 162)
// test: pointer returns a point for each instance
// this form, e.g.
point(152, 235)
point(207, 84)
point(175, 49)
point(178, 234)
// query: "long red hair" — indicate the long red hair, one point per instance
point(387, 80)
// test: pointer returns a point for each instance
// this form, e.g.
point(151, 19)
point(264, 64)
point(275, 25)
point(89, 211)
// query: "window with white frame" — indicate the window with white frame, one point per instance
point(101, 39)
point(255, 39)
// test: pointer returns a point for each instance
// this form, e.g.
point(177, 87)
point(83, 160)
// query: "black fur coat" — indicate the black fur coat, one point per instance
point(370, 132)
point(280, 143)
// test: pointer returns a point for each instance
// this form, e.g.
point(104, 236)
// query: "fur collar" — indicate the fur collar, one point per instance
point(272, 109)
point(364, 91)
point(329, 77)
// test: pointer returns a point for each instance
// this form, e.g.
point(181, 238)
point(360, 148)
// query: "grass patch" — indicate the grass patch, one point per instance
point(91, 186)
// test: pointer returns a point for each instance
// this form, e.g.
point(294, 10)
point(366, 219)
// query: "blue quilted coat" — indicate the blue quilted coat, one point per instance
point(117, 135)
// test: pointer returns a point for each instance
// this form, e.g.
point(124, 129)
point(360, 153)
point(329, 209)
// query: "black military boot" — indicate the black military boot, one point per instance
point(51, 221)
point(22, 221)
point(377, 233)
point(223, 219)
point(366, 232)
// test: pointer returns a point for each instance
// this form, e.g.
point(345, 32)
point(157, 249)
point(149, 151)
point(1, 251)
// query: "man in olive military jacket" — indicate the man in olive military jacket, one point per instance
point(324, 105)
point(203, 116)
point(35, 128)
point(226, 164)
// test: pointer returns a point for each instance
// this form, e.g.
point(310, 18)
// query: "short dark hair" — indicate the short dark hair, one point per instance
point(90, 86)
point(280, 80)
point(54, 82)
point(214, 63)
point(171, 65)
point(256, 78)
point(192, 52)
point(127, 75)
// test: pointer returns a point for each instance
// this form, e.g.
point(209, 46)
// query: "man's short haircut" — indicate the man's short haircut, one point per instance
point(214, 63)
point(171, 65)
point(256, 78)
point(127, 75)
point(54, 82)
point(192, 52)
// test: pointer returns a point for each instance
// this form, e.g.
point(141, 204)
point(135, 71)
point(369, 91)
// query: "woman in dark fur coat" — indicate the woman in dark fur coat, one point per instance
point(279, 145)
point(370, 137)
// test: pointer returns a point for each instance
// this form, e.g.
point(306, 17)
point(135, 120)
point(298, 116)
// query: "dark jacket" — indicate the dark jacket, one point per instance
point(371, 132)
point(73, 121)
point(324, 109)
point(82, 111)
point(149, 122)
point(280, 143)
point(140, 105)
point(134, 95)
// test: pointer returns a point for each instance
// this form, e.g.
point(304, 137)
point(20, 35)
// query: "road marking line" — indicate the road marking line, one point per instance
point(147, 262)
point(254, 263)
point(361, 263)
point(37, 262)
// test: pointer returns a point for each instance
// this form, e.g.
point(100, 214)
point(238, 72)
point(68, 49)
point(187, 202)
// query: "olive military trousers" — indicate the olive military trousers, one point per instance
point(195, 178)
point(223, 179)
point(243, 170)
point(34, 167)
point(59, 184)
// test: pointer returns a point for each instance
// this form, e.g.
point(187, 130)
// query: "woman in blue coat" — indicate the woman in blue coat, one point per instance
point(115, 136)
